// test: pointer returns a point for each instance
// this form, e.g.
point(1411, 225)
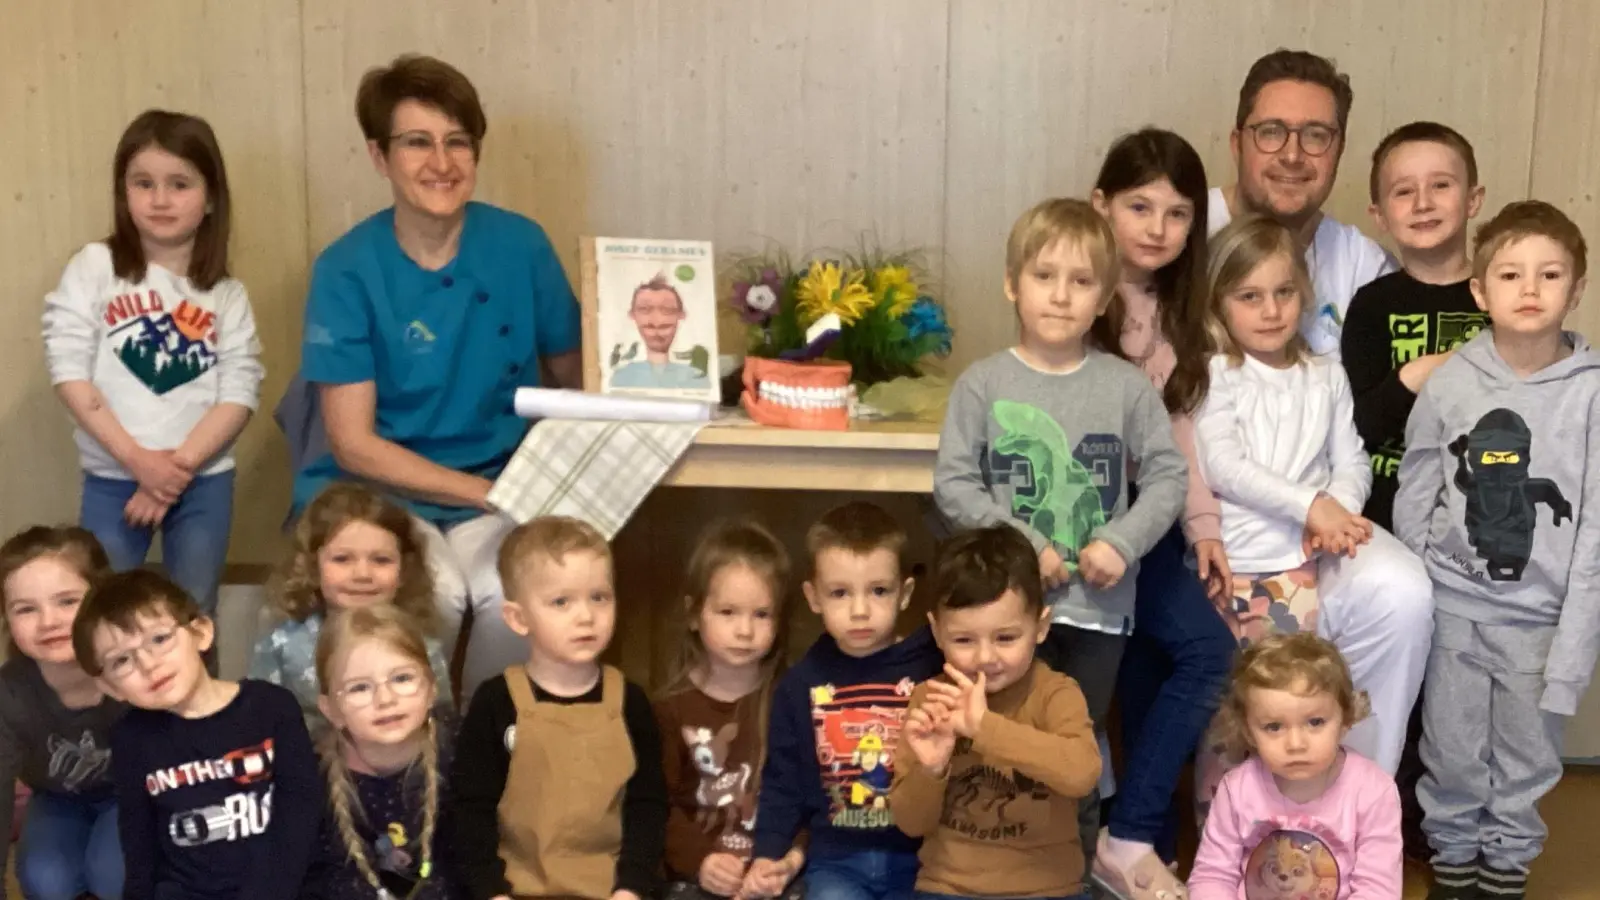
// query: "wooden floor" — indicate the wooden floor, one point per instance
point(1565, 872)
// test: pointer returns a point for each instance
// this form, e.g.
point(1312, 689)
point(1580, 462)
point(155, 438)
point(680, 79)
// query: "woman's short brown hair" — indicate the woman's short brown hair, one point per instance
point(190, 139)
point(431, 82)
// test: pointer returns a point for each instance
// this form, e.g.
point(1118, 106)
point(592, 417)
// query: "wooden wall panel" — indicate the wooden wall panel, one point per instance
point(1039, 89)
point(734, 121)
point(1566, 172)
point(802, 123)
point(1566, 149)
point(72, 74)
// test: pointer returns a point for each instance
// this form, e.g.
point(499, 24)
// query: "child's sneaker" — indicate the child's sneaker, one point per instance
point(1457, 881)
point(1498, 884)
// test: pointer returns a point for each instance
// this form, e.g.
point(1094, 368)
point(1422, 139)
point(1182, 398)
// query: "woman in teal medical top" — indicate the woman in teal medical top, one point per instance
point(422, 321)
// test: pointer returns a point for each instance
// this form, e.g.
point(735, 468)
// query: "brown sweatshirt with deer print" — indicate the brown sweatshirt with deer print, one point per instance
point(711, 754)
point(1002, 819)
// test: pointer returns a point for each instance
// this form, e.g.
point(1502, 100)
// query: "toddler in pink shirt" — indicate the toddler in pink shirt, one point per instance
point(1303, 818)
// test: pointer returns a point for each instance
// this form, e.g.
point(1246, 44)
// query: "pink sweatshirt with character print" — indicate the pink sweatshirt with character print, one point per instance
point(1344, 845)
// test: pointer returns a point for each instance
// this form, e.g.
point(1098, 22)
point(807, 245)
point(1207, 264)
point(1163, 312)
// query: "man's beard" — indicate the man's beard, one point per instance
point(1294, 222)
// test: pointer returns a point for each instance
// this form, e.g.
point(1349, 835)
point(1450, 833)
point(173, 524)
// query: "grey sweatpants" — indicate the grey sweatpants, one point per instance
point(1491, 753)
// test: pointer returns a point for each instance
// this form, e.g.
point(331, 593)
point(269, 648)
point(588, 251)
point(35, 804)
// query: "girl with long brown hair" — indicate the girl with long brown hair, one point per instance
point(152, 349)
point(713, 713)
point(1152, 191)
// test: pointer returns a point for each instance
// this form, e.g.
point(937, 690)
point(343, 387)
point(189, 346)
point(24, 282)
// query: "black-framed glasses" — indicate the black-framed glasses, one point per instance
point(456, 143)
point(118, 666)
point(1272, 135)
point(362, 692)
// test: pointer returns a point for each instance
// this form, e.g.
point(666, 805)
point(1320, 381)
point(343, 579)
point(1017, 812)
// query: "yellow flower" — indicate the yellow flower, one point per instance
point(896, 279)
point(826, 288)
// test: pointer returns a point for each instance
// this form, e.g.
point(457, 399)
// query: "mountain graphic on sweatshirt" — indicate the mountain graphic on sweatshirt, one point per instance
point(159, 354)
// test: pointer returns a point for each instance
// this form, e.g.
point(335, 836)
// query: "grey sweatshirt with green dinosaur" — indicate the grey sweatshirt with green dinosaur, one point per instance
point(1051, 454)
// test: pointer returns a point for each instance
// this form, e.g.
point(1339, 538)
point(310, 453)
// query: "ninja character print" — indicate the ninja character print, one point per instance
point(1492, 463)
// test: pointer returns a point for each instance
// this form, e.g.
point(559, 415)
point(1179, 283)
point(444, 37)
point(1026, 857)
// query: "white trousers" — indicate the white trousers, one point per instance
point(462, 561)
point(1377, 608)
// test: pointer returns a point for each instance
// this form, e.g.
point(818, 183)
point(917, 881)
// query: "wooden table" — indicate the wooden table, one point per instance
point(871, 456)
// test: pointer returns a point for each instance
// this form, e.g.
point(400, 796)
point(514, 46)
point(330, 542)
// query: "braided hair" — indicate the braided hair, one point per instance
point(394, 628)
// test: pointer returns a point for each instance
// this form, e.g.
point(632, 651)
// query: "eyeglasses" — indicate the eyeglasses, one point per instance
point(457, 143)
point(118, 666)
point(362, 692)
point(1272, 135)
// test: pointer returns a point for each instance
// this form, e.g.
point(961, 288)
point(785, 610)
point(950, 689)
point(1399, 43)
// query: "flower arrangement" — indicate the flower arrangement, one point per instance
point(889, 324)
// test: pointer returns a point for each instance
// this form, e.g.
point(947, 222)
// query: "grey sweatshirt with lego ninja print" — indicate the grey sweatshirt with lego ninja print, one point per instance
point(1500, 495)
point(1050, 453)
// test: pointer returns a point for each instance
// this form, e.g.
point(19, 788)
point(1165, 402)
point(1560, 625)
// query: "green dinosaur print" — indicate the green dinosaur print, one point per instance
point(1064, 502)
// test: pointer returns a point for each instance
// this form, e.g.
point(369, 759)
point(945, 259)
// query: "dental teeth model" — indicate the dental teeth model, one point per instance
point(811, 395)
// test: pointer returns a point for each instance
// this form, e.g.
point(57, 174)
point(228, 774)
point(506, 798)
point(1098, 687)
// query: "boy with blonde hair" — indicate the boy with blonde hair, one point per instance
point(558, 780)
point(1502, 455)
point(1046, 436)
point(834, 738)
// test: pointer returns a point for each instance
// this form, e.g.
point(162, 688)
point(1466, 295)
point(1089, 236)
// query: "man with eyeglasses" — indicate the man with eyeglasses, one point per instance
point(1286, 144)
point(1287, 139)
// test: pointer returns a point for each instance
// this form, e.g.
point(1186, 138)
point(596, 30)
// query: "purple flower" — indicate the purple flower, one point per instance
point(757, 301)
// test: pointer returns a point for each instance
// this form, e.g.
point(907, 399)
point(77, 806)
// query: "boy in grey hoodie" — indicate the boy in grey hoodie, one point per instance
point(1502, 456)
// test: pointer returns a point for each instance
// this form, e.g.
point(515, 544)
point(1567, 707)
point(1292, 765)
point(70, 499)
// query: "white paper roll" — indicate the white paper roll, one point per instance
point(549, 403)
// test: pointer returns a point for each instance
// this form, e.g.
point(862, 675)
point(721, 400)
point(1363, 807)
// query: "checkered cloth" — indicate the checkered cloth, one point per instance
point(596, 471)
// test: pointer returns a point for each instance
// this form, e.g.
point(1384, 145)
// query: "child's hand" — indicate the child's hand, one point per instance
point(967, 700)
point(929, 734)
point(1326, 524)
point(159, 473)
point(1052, 568)
point(1358, 532)
point(722, 874)
point(1101, 565)
point(1343, 541)
point(621, 894)
point(144, 510)
point(1215, 572)
point(1414, 374)
point(768, 877)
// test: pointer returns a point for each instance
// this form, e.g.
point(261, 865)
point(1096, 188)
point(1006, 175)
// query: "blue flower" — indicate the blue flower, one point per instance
point(926, 318)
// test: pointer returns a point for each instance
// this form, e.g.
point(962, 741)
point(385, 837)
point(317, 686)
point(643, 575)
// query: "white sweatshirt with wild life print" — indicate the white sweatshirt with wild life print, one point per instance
point(162, 351)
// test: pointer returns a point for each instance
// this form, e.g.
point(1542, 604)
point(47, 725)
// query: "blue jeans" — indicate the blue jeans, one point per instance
point(925, 895)
point(1173, 674)
point(69, 846)
point(865, 875)
point(194, 535)
point(928, 895)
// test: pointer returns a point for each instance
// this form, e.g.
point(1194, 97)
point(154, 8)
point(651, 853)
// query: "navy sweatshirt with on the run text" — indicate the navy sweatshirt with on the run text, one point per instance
point(223, 807)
